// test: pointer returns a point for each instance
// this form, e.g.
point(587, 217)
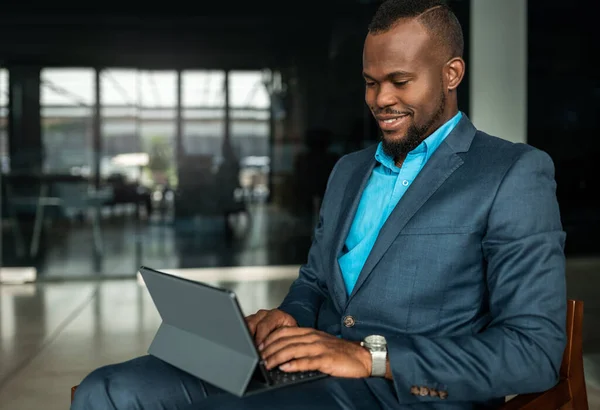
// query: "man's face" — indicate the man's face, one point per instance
point(403, 72)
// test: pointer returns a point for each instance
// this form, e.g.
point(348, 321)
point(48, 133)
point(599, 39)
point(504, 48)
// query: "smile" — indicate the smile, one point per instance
point(392, 123)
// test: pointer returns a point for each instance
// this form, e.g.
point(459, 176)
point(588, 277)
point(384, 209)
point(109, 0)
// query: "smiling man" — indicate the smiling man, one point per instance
point(436, 278)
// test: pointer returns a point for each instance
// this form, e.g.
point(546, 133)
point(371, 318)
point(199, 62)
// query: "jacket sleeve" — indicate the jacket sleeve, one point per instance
point(520, 351)
point(309, 290)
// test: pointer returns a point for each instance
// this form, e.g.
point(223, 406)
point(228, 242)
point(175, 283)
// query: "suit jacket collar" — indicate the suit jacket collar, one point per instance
point(435, 172)
point(461, 137)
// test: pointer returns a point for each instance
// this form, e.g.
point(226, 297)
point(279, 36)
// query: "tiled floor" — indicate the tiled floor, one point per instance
point(53, 334)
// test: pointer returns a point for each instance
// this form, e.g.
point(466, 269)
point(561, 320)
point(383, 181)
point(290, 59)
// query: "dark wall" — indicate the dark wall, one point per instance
point(150, 41)
point(563, 82)
point(563, 108)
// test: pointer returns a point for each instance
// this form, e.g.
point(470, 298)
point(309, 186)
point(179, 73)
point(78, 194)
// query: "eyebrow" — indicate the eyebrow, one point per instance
point(393, 74)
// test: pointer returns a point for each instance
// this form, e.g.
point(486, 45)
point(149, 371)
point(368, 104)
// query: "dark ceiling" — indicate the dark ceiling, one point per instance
point(224, 35)
point(217, 34)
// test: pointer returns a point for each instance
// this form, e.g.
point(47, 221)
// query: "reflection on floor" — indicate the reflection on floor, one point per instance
point(53, 334)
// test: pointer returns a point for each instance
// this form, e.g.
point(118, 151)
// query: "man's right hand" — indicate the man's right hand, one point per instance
point(263, 322)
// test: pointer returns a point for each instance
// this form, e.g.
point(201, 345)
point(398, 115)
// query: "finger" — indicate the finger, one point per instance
point(268, 325)
point(282, 342)
point(261, 314)
point(293, 351)
point(305, 364)
point(264, 329)
point(253, 320)
point(284, 332)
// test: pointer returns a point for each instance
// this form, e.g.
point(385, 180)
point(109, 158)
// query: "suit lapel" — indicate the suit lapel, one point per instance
point(439, 167)
point(352, 194)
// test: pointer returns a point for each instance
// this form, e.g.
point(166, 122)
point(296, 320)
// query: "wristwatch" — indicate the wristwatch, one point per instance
point(377, 346)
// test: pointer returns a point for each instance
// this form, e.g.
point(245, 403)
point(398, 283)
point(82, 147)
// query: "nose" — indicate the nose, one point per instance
point(385, 96)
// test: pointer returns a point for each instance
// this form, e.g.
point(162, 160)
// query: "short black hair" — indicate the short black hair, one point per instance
point(435, 15)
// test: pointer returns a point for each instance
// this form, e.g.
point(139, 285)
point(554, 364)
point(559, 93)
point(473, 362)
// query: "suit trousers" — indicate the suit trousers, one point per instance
point(149, 383)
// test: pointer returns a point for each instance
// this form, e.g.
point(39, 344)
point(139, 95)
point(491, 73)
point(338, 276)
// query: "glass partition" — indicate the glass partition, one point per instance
point(67, 101)
point(3, 120)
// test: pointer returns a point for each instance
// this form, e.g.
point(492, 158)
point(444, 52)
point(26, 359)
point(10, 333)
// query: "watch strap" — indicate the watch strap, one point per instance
point(378, 363)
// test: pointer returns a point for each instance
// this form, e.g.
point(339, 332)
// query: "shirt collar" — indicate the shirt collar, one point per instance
point(427, 147)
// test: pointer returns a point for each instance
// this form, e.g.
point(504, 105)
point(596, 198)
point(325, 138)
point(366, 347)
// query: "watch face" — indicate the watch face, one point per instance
point(375, 340)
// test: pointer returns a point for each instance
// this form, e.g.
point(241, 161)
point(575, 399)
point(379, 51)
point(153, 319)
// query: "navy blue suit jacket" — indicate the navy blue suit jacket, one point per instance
point(466, 279)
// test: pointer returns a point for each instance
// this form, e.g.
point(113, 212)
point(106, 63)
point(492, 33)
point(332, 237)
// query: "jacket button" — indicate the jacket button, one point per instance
point(443, 394)
point(414, 390)
point(433, 392)
point(349, 321)
point(423, 391)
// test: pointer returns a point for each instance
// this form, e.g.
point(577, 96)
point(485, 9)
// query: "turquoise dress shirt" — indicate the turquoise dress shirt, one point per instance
point(385, 188)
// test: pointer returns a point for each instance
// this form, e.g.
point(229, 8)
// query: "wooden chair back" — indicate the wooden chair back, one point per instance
point(570, 392)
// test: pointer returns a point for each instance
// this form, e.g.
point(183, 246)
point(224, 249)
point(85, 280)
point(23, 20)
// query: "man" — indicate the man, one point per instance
point(442, 239)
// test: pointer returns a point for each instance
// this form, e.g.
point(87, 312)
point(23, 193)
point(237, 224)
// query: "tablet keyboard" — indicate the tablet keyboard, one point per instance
point(279, 376)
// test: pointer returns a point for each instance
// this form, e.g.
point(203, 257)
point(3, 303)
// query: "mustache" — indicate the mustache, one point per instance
point(388, 111)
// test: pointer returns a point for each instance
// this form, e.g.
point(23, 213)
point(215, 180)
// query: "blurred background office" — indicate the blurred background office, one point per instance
point(200, 141)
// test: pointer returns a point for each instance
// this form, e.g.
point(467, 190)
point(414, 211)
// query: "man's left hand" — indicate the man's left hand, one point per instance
point(300, 348)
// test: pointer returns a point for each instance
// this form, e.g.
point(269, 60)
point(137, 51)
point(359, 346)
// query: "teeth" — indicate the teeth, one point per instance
point(390, 121)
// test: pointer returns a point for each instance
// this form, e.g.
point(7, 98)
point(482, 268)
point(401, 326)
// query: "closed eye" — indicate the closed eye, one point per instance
point(400, 83)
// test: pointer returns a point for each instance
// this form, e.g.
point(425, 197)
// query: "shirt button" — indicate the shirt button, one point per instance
point(405, 182)
point(349, 321)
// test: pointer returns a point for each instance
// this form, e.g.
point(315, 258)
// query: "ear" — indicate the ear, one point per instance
point(454, 71)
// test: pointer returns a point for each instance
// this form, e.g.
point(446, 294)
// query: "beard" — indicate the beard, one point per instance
point(400, 147)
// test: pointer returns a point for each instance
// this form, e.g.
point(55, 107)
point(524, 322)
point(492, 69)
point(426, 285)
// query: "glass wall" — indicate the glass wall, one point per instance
point(119, 111)
point(171, 170)
point(3, 120)
point(67, 101)
point(203, 129)
point(64, 216)
point(138, 110)
point(158, 110)
point(203, 112)
point(250, 130)
point(138, 162)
